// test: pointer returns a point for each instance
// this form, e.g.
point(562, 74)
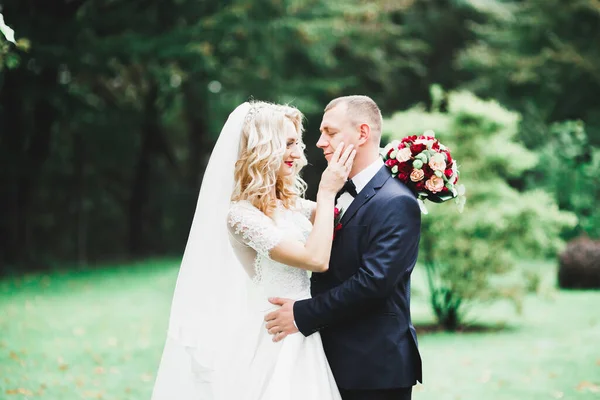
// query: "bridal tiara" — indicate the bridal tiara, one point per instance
point(252, 112)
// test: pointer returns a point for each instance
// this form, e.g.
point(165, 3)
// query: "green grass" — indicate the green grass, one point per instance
point(99, 334)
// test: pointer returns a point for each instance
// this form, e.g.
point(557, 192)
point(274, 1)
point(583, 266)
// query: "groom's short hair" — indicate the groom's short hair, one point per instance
point(360, 107)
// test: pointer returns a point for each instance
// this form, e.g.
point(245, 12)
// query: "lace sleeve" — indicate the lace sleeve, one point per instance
point(253, 228)
point(307, 208)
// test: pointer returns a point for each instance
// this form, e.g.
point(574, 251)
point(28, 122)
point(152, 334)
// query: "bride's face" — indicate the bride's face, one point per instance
point(293, 152)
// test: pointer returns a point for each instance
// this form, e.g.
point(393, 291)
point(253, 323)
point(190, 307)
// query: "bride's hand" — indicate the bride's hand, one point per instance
point(336, 174)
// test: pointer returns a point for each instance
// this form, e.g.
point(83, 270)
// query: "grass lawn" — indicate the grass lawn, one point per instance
point(99, 334)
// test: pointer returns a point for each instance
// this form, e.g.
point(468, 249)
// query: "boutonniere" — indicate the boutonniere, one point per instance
point(337, 217)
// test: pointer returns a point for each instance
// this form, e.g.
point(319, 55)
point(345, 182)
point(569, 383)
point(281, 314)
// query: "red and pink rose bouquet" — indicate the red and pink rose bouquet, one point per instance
point(427, 167)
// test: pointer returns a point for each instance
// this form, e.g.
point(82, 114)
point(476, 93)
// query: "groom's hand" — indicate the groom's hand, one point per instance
point(281, 322)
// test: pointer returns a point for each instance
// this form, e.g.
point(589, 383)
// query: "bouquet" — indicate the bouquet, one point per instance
point(427, 167)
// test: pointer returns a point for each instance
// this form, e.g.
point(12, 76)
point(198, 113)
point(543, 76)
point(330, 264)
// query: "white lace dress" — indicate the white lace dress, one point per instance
point(259, 369)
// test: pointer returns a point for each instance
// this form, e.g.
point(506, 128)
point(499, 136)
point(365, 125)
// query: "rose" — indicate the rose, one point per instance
point(403, 155)
point(428, 171)
point(405, 167)
point(417, 175)
point(434, 184)
point(336, 229)
point(449, 158)
point(420, 186)
point(409, 139)
point(391, 162)
point(448, 172)
point(437, 162)
point(404, 170)
point(427, 141)
point(417, 148)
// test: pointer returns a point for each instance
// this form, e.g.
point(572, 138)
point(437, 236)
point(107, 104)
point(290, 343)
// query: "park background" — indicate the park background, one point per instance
point(108, 113)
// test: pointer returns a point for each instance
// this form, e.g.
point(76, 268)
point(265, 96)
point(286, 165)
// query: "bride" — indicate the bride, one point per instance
point(253, 237)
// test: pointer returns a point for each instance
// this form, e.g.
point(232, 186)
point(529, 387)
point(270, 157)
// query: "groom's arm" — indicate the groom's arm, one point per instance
point(393, 247)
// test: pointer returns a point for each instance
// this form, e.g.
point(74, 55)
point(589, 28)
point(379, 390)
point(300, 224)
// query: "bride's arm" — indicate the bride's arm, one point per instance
point(314, 255)
point(250, 226)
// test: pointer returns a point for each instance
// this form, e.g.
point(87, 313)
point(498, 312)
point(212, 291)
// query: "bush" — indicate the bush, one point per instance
point(470, 256)
point(580, 265)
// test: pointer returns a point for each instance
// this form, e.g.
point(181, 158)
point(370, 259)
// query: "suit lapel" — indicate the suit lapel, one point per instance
point(366, 194)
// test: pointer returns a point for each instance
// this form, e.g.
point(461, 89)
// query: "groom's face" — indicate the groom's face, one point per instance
point(336, 128)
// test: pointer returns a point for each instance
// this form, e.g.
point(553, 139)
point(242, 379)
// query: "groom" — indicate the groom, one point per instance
point(361, 305)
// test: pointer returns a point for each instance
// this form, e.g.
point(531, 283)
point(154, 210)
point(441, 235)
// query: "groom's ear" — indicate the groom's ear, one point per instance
point(364, 133)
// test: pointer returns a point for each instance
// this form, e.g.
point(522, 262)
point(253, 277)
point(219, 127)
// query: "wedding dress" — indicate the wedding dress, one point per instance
point(217, 346)
point(259, 369)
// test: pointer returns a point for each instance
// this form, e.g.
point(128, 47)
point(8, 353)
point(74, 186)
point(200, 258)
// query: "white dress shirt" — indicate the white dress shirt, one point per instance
point(360, 180)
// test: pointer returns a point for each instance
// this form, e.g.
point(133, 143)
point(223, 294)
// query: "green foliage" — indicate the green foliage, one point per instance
point(536, 56)
point(118, 106)
point(568, 169)
point(466, 254)
point(8, 57)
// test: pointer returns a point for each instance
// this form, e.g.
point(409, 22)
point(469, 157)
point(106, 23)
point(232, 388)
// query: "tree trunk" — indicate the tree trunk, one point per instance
point(12, 135)
point(139, 190)
point(198, 138)
point(80, 196)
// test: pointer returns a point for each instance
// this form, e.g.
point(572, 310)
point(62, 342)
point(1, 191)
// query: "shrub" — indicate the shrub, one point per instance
point(469, 255)
point(580, 265)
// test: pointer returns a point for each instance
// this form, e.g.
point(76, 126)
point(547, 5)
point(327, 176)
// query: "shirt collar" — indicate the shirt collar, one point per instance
point(361, 179)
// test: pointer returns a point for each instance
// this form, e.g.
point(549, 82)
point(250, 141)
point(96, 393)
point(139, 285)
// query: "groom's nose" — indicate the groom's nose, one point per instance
point(322, 142)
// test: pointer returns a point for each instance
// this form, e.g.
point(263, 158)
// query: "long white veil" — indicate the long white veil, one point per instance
point(212, 287)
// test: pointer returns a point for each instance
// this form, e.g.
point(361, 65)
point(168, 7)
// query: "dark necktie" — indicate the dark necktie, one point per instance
point(348, 187)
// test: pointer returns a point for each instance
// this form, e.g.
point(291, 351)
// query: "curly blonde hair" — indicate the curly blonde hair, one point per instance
point(261, 152)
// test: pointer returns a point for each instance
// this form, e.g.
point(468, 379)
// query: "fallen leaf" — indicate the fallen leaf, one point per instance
point(22, 391)
point(485, 378)
point(589, 386)
point(78, 331)
point(93, 395)
point(146, 377)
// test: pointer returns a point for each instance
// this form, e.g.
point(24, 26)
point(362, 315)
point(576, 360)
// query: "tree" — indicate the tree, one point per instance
point(540, 58)
point(466, 255)
point(107, 125)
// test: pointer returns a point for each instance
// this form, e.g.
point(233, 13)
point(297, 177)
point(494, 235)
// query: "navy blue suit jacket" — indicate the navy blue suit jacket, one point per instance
point(361, 305)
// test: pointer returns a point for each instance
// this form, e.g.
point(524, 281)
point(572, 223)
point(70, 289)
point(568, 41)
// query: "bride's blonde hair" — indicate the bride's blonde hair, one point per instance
point(262, 146)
